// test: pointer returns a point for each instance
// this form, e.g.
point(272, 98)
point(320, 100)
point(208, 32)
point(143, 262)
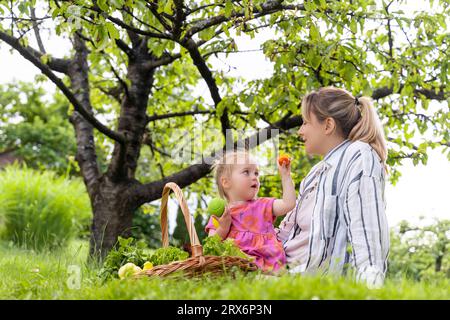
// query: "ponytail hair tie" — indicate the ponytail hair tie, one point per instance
point(358, 104)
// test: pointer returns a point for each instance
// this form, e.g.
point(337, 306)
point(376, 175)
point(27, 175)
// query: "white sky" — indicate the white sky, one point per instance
point(421, 190)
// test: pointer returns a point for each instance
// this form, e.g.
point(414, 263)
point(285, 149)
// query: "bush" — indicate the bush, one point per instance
point(40, 210)
point(420, 252)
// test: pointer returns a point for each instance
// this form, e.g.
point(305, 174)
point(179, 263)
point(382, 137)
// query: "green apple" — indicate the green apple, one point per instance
point(216, 206)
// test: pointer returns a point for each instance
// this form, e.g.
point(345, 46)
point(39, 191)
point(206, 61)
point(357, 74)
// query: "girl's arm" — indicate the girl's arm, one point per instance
point(287, 203)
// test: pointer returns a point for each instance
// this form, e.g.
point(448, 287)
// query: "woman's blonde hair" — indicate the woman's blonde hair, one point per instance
point(223, 166)
point(356, 118)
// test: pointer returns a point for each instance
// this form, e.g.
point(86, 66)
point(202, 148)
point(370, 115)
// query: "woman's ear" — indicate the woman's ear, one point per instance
point(330, 126)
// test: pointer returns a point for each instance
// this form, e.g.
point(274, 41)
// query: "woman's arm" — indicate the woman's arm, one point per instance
point(287, 203)
point(364, 215)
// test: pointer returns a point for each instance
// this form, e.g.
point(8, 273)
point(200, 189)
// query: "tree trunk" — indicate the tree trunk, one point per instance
point(113, 217)
point(113, 205)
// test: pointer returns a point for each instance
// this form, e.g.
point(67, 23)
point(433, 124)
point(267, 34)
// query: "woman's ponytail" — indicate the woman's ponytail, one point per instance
point(369, 129)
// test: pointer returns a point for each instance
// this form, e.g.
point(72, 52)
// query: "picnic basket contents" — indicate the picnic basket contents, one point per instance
point(199, 263)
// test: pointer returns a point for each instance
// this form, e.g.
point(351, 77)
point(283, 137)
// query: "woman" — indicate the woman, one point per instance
point(339, 219)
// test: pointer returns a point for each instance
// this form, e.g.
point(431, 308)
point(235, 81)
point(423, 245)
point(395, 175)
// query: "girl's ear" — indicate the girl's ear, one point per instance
point(225, 182)
point(330, 125)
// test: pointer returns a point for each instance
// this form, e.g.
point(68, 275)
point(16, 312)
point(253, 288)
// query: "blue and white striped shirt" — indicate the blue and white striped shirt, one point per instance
point(349, 212)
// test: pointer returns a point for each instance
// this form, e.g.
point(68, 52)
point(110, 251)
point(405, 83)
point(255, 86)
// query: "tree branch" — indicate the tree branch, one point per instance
point(177, 114)
point(179, 18)
point(36, 30)
point(128, 27)
point(86, 152)
point(200, 63)
point(29, 54)
point(132, 120)
point(124, 47)
point(268, 7)
point(127, 10)
point(429, 94)
point(56, 64)
point(163, 60)
point(154, 9)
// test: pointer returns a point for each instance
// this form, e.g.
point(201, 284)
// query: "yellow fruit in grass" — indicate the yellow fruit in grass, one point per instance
point(129, 269)
point(148, 265)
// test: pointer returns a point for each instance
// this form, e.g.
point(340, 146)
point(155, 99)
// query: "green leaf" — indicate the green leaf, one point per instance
point(168, 7)
point(249, 100)
point(113, 32)
point(314, 33)
point(228, 8)
point(45, 58)
point(102, 4)
point(353, 26)
point(206, 34)
point(348, 71)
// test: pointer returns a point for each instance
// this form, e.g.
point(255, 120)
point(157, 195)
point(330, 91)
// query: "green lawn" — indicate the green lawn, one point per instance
point(29, 275)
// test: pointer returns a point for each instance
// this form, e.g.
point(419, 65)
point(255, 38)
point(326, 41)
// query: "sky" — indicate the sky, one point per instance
point(420, 191)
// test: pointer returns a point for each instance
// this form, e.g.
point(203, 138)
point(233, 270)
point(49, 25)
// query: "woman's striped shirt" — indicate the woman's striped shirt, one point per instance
point(348, 224)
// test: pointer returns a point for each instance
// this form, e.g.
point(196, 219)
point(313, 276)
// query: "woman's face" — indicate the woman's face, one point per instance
point(314, 134)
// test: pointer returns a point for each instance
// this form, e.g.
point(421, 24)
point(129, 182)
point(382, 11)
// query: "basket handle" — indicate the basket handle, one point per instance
point(196, 247)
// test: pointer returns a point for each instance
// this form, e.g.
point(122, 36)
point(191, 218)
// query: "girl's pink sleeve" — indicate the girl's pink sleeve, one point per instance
point(267, 204)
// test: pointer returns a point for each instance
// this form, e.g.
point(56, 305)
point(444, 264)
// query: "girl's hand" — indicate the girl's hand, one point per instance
point(224, 223)
point(285, 169)
point(287, 203)
point(225, 219)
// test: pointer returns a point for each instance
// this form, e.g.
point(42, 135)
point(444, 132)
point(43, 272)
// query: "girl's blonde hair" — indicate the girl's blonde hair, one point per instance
point(223, 166)
point(356, 118)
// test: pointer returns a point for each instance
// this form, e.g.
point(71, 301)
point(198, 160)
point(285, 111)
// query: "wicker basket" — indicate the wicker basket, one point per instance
point(197, 264)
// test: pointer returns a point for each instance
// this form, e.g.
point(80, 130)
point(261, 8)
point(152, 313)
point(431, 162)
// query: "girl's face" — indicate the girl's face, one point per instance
point(314, 134)
point(243, 184)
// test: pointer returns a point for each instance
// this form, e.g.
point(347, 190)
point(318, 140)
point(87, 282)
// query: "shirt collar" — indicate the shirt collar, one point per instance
point(334, 153)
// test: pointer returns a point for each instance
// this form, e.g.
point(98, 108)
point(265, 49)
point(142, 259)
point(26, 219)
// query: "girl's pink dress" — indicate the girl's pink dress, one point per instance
point(252, 230)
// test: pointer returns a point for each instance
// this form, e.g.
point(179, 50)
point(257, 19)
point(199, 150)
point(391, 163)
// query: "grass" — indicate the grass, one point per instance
point(45, 275)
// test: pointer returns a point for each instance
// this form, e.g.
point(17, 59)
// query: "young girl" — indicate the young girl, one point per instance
point(248, 219)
